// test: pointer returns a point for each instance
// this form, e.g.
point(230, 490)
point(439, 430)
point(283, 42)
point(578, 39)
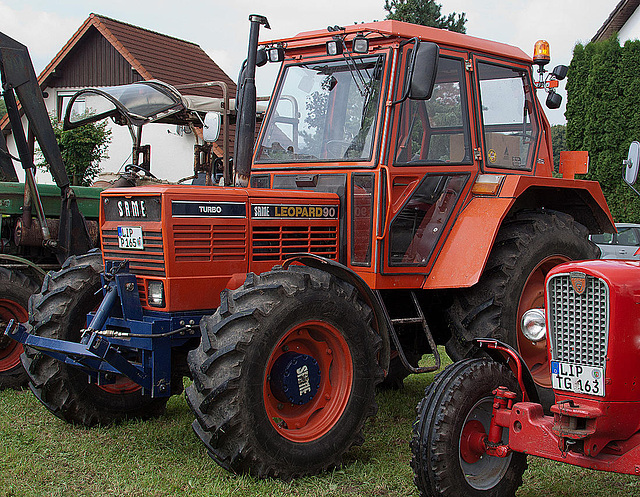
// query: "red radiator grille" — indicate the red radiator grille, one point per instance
point(274, 243)
point(206, 243)
point(142, 291)
point(147, 262)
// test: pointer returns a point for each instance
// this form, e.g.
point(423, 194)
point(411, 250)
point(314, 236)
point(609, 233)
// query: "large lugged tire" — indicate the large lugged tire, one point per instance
point(15, 290)
point(296, 335)
point(460, 397)
point(59, 312)
point(528, 245)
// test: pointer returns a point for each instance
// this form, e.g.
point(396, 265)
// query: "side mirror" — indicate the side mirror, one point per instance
point(632, 163)
point(560, 72)
point(212, 124)
point(423, 70)
point(261, 57)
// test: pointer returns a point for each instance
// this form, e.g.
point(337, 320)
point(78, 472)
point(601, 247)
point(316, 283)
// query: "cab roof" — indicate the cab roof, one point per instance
point(399, 29)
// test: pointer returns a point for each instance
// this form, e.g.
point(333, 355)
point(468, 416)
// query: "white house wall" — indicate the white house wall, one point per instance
point(631, 29)
point(171, 154)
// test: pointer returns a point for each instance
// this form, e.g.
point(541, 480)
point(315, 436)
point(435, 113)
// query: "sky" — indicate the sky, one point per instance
point(221, 28)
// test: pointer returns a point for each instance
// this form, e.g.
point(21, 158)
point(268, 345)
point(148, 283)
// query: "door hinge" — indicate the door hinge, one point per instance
point(468, 65)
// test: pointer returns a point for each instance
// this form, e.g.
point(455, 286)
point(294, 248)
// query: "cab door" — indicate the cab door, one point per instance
point(431, 167)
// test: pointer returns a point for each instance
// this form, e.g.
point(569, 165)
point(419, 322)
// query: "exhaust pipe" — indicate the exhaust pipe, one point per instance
point(246, 107)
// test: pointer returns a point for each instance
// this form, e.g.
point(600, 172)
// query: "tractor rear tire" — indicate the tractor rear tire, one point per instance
point(59, 311)
point(241, 416)
point(461, 397)
point(527, 247)
point(15, 290)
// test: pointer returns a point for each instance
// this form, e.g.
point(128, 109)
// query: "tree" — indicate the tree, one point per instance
point(426, 13)
point(603, 92)
point(559, 143)
point(82, 150)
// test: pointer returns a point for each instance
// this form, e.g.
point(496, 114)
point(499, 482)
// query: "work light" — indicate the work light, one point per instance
point(155, 294)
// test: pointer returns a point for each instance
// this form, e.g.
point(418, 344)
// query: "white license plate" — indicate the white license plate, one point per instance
point(577, 378)
point(130, 238)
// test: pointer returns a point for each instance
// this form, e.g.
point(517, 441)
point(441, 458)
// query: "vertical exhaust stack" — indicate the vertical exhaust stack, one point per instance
point(246, 107)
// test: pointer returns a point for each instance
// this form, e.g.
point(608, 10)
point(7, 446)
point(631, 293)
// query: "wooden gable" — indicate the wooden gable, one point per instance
point(94, 61)
point(107, 52)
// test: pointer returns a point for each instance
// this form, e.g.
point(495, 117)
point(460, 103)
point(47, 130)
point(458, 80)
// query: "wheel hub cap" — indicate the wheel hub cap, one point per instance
point(295, 378)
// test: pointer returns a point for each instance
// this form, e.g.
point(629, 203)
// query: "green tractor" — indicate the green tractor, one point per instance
point(40, 226)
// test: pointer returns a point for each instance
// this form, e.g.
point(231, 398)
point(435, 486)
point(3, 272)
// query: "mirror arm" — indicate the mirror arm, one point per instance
point(630, 186)
point(409, 74)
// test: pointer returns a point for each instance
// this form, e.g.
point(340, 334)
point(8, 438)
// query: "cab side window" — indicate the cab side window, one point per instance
point(509, 126)
point(436, 130)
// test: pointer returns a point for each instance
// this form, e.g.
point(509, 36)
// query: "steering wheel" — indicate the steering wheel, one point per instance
point(337, 148)
point(135, 167)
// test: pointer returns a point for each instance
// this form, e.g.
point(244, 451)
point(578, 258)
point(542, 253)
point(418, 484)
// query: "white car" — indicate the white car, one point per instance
point(625, 244)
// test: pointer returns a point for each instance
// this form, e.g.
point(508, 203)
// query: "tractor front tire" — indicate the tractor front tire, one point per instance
point(300, 327)
point(60, 311)
point(460, 399)
point(15, 290)
point(527, 247)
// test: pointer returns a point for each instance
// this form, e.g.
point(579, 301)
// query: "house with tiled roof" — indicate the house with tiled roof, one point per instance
point(624, 20)
point(107, 52)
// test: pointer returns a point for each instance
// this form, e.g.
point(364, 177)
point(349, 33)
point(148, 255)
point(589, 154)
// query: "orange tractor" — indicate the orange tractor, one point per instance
point(399, 195)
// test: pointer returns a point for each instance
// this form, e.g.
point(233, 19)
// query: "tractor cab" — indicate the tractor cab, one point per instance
point(139, 104)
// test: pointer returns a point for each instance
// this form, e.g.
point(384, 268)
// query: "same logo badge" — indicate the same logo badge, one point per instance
point(578, 282)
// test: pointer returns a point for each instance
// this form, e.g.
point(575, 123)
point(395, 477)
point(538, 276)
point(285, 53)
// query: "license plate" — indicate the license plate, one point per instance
point(577, 378)
point(130, 238)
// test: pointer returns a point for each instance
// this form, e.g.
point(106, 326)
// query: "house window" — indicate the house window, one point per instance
point(63, 101)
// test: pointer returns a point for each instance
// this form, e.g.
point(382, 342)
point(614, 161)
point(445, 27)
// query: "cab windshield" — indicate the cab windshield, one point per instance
point(325, 111)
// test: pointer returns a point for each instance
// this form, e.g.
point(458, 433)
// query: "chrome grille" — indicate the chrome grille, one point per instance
point(579, 324)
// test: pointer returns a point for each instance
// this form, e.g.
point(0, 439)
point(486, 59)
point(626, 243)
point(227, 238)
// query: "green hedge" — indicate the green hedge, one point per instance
point(603, 116)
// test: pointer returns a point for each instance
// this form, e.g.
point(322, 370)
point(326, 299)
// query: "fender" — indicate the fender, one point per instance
point(21, 260)
point(507, 355)
point(371, 298)
point(475, 230)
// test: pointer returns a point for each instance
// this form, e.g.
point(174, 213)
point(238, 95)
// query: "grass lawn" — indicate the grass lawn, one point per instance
point(41, 455)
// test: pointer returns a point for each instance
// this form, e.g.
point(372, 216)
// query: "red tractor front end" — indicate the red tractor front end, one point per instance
point(591, 324)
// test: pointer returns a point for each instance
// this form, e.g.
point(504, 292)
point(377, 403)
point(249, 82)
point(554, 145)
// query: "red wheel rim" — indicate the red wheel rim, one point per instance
point(122, 385)
point(11, 350)
point(535, 354)
point(310, 421)
point(472, 441)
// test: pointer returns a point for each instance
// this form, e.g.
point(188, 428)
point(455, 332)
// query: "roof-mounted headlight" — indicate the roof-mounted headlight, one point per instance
point(335, 47)
point(275, 54)
point(360, 44)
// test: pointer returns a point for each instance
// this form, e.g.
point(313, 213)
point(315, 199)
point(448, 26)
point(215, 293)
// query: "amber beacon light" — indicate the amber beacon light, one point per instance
point(541, 53)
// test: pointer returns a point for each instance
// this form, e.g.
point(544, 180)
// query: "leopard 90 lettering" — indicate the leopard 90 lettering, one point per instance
point(295, 211)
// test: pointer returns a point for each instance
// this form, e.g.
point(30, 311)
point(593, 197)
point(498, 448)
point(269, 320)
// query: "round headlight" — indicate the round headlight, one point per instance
point(534, 325)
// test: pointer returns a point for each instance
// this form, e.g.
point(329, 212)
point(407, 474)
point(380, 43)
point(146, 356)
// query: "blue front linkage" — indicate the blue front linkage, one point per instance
point(122, 338)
